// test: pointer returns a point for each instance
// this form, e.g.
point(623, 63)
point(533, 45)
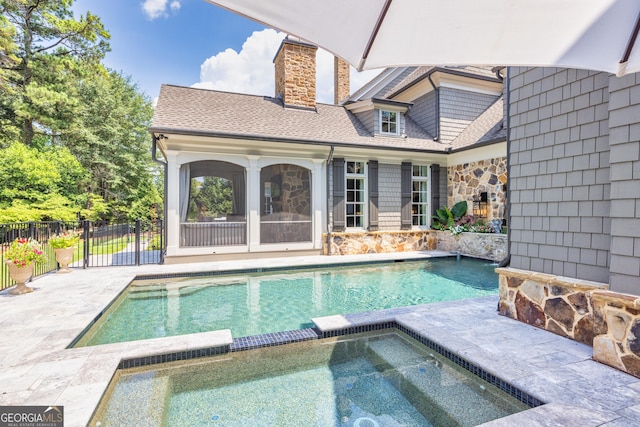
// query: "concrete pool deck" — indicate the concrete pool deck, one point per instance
point(36, 368)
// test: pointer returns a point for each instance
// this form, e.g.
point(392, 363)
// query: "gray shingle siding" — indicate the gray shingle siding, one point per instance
point(389, 197)
point(424, 112)
point(624, 157)
point(559, 175)
point(368, 119)
point(458, 108)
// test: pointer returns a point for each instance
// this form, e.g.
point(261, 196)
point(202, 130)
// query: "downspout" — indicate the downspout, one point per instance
point(329, 160)
point(507, 260)
point(436, 91)
point(154, 157)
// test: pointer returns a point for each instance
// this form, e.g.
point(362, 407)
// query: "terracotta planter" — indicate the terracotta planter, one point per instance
point(64, 257)
point(20, 275)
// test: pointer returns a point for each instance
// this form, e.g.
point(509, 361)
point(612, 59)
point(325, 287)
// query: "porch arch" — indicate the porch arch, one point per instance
point(285, 204)
point(213, 200)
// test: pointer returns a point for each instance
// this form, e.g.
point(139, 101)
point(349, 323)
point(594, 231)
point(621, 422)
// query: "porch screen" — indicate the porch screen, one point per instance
point(216, 209)
point(285, 204)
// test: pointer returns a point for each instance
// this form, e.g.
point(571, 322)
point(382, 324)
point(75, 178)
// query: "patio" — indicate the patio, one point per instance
point(37, 369)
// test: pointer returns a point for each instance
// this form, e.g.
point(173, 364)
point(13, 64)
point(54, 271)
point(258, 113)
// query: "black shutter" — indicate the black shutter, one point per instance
point(338, 195)
point(435, 188)
point(405, 190)
point(373, 195)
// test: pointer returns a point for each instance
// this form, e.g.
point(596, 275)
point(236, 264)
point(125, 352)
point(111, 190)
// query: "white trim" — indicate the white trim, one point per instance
point(427, 203)
point(492, 151)
point(397, 113)
point(365, 202)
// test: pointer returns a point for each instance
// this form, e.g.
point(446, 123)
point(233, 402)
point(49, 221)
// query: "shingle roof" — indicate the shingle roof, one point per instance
point(214, 113)
point(488, 127)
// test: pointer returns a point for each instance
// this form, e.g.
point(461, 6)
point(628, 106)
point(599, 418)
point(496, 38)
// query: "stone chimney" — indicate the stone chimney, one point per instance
point(295, 66)
point(341, 89)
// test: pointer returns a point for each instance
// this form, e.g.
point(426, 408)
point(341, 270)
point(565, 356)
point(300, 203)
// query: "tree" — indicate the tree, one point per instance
point(37, 185)
point(45, 45)
point(111, 140)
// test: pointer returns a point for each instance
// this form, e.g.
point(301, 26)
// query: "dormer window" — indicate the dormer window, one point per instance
point(389, 122)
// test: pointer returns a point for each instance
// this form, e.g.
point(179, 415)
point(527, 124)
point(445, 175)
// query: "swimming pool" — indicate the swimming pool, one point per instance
point(259, 303)
point(380, 379)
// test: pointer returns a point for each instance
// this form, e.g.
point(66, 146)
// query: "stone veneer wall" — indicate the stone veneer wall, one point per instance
point(558, 304)
point(582, 310)
point(380, 242)
point(468, 180)
point(479, 245)
point(618, 341)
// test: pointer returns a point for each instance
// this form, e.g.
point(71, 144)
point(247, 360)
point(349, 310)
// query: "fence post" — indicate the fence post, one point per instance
point(138, 241)
point(86, 224)
point(162, 240)
point(32, 230)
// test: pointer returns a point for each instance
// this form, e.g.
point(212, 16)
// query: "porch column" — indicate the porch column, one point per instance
point(318, 193)
point(253, 199)
point(173, 203)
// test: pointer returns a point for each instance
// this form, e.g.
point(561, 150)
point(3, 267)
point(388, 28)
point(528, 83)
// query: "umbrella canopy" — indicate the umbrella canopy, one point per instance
point(588, 34)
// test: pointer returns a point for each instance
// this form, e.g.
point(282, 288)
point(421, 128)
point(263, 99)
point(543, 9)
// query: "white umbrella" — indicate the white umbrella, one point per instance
point(589, 34)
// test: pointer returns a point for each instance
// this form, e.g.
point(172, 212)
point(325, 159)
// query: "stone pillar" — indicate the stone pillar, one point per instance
point(341, 85)
point(295, 72)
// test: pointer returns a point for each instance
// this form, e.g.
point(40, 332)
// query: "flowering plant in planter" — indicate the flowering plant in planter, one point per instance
point(23, 252)
point(64, 240)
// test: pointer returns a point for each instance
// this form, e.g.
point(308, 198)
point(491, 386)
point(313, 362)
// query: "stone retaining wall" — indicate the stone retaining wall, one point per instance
point(370, 242)
point(578, 309)
point(618, 341)
point(479, 245)
point(558, 304)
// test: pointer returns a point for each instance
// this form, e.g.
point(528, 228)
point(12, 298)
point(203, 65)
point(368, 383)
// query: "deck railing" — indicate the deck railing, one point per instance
point(100, 245)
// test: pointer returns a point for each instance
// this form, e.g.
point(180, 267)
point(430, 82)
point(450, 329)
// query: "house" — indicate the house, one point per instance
point(574, 230)
point(262, 176)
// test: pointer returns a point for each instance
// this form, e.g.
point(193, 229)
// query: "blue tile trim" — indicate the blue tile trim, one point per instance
point(476, 370)
point(172, 357)
point(273, 339)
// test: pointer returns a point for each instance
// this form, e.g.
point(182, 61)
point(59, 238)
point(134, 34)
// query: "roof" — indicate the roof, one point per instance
point(214, 113)
point(488, 127)
point(204, 112)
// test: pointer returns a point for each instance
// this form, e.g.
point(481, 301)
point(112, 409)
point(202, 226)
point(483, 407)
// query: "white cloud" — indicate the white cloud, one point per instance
point(157, 8)
point(251, 70)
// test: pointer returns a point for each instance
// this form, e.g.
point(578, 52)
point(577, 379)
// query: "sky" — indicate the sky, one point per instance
point(194, 43)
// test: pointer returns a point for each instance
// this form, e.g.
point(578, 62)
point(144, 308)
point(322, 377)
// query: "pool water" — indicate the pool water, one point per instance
point(253, 304)
point(381, 379)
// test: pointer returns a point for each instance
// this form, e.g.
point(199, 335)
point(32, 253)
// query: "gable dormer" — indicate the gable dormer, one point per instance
point(381, 117)
point(447, 100)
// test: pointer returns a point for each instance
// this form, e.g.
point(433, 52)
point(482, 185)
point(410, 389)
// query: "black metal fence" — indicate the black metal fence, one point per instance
point(100, 245)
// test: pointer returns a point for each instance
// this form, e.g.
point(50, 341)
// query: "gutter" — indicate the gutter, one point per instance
point(249, 137)
point(329, 160)
point(436, 90)
point(154, 157)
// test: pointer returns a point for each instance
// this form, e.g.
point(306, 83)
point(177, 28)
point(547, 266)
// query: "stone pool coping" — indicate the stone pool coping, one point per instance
point(36, 368)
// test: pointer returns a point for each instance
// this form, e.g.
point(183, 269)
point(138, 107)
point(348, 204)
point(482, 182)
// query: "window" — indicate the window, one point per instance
point(389, 122)
point(355, 195)
point(419, 196)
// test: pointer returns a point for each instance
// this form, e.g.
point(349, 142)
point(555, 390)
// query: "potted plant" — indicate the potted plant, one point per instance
point(20, 258)
point(64, 245)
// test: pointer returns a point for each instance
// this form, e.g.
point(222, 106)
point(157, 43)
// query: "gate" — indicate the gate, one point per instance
point(100, 245)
